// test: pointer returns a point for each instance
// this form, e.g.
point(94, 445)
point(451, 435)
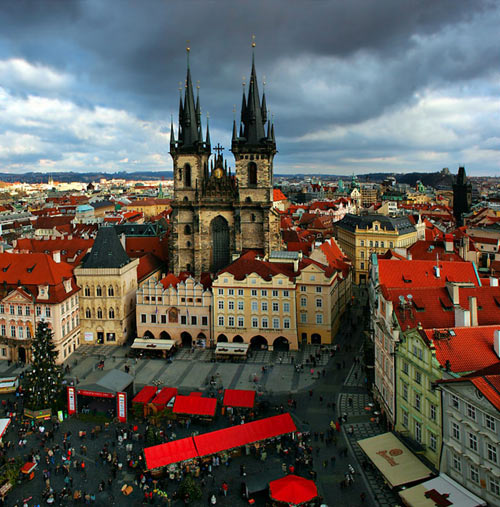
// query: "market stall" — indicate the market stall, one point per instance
point(154, 348)
point(293, 490)
point(195, 406)
point(175, 451)
point(239, 398)
point(164, 397)
point(4, 424)
point(225, 350)
point(9, 384)
point(145, 395)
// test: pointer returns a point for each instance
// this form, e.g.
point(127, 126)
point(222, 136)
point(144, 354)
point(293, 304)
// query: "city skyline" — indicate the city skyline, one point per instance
point(354, 87)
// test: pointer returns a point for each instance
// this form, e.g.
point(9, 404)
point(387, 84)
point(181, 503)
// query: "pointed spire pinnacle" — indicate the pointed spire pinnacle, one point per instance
point(207, 142)
point(172, 135)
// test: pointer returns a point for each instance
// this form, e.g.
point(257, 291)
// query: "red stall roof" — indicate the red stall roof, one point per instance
point(164, 396)
point(242, 434)
point(170, 452)
point(194, 405)
point(239, 398)
point(293, 489)
point(195, 393)
point(145, 395)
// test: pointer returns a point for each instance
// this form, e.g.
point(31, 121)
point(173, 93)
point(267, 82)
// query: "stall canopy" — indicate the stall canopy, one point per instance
point(394, 460)
point(293, 489)
point(195, 405)
point(145, 395)
point(4, 424)
point(242, 434)
point(164, 396)
point(440, 491)
point(239, 398)
point(171, 452)
point(195, 393)
point(106, 384)
point(151, 344)
point(232, 349)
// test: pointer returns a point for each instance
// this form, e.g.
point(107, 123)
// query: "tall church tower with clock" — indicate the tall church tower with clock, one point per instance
point(215, 213)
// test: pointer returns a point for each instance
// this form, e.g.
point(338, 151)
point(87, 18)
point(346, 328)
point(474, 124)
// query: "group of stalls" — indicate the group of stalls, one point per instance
point(153, 348)
point(405, 474)
point(195, 405)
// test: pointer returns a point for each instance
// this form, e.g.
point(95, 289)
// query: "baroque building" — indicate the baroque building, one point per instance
point(216, 213)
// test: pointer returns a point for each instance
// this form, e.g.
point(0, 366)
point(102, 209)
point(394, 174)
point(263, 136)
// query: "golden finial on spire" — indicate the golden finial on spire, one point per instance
point(253, 41)
point(197, 85)
point(188, 49)
point(243, 81)
point(264, 82)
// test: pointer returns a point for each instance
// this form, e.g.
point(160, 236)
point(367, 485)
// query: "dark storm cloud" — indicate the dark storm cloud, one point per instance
point(328, 64)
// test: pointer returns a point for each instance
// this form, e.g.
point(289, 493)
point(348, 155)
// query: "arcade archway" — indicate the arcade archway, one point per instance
point(258, 343)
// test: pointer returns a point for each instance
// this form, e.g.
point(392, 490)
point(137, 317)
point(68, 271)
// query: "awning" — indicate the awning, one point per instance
point(242, 434)
point(170, 452)
point(145, 395)
point(8, 384)
point(239, 398)
point(233, 349)
point(164, 396)
point(152, 344)
point(438, 491)
point(293, 489)
point(195, 405)
point(105, 384)
point(394, 460)
point(4, 424)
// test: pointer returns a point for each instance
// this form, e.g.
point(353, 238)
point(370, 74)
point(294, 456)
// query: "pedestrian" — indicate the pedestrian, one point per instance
point(362, 497)
point(225, 487)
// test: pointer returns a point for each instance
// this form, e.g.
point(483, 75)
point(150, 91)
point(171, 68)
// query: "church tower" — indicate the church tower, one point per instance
point(254, 149)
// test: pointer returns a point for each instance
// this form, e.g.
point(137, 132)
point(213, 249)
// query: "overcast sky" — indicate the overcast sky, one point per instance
point(354, 85)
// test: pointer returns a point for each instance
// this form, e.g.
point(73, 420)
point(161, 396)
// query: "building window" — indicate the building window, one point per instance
point(111, 291)
point(303, 317)
point(111, 313)
point(183, 320)
point(221, 320)
point(87, 291)
point(286, 323)
point(13, 331)
point(221, 292)
point(405, 418)
point(2, 311)
point(230, 292)
point(474, 474)
point(265, 322)
point(275, 293)
point(47, 311)
point(264, 306)
point(418, 377)
point(27, 311)
point(11, 309)
point(19, 310)
point(418, 432)
point(490, 422)
point(495, 486)
point(99, 313)
point(362, 243)
point(20, 330)
point(204, 321)
point(303, 302)
point(241, 322)
point(318, 289)
point(455, 431)
point(230, 321)
point(362, 254)
point(163, 319)
point(319, 303)
point(276, 306)
point(220, 304)
point(153, 318)
point(255, 306)
point(319, 318)
point(456, 462)
point(391, 244)
point(405, 368)
point(38, 311)
point(255, 322)
point(471, 411)
point(87, 313)
point(230, 305)
point(286, 307)
point(110, 337)
point(240, 292)
point(405, 391)
point(143, 318)
point(455, 402)
point(433, 411)
point(3, 331)
point(276, 323)
point(98, 291)
point(303, 288)
point(241, 305)
point(432, 441)
point(263, 293)
point(418, 401)
point(286, 294)
point(472, 442)
point(491, 449)
point(362, 265)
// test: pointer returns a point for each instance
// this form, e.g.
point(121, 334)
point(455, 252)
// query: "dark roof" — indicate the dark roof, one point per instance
point(107, 251)
point(102, 204)
point(402, 224)
point(112, 381)
point(147, 229)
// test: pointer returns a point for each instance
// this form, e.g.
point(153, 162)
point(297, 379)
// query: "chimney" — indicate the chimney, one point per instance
point(453, 292)
point(448, 243)
point(56, 255)
point(493, 281)
point(437, 271)
point(473, 311)
point(462, 317)
point(496, 342)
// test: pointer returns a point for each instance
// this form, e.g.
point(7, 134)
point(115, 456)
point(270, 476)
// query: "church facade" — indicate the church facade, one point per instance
point(218, 213)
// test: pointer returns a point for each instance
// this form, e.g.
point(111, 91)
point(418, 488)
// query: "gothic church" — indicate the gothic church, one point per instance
point(217, 214)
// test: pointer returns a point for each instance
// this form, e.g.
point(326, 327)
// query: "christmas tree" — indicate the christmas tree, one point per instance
point(43, 380)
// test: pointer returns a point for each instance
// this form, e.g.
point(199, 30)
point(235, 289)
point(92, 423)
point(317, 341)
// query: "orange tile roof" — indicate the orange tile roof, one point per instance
point(148, 264)
point(278, 195)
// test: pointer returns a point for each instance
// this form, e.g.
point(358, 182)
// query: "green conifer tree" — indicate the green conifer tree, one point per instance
point(43, 380)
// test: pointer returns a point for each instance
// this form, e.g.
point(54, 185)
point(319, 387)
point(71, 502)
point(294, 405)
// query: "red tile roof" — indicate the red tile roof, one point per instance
point(72, 249)
point(429, 250)
point(278, 195)
point(148, 264)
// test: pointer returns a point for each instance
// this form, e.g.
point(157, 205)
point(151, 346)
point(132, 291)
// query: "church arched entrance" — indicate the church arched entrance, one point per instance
point(238, 339)
point(149, 334)
point(164, 336)
point(222, 338)
point(281, 344)
point(258, 343)
point(21, 354)
point(316, 339)
point(221, 257)
point(186, 339)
